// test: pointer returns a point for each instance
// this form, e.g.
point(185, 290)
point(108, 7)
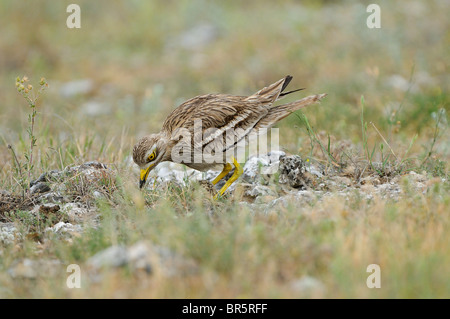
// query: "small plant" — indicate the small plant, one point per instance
point(379, 168)
point(368, 154)
point(31, 95)
point(441, 123)
point(314, 139)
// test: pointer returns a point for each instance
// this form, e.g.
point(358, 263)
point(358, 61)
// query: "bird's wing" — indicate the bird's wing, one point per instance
point(273, 92)
point(221, 118)
point(279, 112)
point(219, 114)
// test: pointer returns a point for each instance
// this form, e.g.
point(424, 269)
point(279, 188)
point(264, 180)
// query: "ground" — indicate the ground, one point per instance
point(359, 179)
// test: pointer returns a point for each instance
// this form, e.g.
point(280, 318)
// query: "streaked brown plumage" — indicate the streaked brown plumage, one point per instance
point(219, 114)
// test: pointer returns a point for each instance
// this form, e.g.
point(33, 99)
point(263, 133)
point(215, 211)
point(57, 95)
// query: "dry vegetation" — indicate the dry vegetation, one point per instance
point(384, 117)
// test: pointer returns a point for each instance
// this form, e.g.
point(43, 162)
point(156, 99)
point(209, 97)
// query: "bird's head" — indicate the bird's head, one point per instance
point(148, 152)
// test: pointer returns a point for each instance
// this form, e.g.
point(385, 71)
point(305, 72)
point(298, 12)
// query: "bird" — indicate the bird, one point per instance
point(203, 123)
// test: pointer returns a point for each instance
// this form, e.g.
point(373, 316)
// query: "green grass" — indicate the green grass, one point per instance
point(129, 50)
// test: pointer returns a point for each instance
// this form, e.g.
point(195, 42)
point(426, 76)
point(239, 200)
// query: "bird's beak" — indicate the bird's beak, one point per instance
point(144, 174)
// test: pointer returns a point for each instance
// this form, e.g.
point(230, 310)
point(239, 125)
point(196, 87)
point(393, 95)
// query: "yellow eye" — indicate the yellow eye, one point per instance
point(152, 156)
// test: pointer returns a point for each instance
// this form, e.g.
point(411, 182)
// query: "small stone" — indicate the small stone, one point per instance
point(63, 227)
point(264, 199)
point(196, 37)
point(292, 172)
point(159, 260)
point(342, 180)
point(260, 190)
point(93, 171)
point(92, 164)
point(48, 208)
point(41, 178)
point(4, 193)
point(313, 170)
point(78, 87)
point(143, 256)
point(94, 108)
point(75, 211)
point(273, 156)
point(52, 197)
point(306, 195)
point(97, 194)
point(252, 167)
point(114, 256)
point(400, 83)
point(309, 286)
point(370, 180)
point(40, 188)
point(419, 178)
point(29, 268)
point(8, 233)
point(368, 188)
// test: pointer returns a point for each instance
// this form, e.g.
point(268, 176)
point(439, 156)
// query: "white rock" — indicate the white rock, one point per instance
point(272, 156)
point(92, 170)
point(97, 194)
point(94, 108)
point(196, 37)
point(252, 167)
point(76, 212)
point(63, 227)
point(29, 268)
point(73, 88)
point(159, 260)
point(8, 233)
point(114, 256)
point(260, 190)
point(398, 82)
point(173, 172)
point(313, 170)
point(143, 256)
point(309, 286)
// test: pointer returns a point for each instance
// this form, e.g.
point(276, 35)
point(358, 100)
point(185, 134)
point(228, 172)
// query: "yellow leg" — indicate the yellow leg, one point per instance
point(226, 169)
point(237, 172)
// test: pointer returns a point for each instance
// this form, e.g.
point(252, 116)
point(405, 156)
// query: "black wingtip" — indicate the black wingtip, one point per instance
point(286, 93)
point(287, 80)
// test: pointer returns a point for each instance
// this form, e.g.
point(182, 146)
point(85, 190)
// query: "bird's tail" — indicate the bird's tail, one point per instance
point(278, 113)
point(274, 91)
